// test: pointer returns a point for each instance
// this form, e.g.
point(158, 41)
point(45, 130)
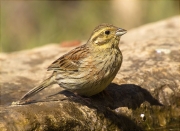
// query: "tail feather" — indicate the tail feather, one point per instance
point(35, 90)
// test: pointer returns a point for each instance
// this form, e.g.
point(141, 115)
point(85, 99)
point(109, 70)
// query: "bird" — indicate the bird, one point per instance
point(87, 69)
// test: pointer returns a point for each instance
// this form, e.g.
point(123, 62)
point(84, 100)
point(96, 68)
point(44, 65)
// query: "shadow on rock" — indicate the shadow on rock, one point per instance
point(115, 96)
point(127, 95)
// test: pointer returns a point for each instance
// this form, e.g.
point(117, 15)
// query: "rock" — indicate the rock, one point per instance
point(144, 94)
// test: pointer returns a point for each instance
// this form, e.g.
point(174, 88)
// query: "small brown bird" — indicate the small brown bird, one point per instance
point(87, 69)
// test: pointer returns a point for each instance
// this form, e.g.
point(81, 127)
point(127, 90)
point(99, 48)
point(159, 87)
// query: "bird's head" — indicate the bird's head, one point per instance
point(106, 36)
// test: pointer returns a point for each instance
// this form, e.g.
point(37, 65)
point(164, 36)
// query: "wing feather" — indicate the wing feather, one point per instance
point(71, 60)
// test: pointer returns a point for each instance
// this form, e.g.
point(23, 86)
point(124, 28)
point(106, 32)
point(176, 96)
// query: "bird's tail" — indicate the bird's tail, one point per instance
point(35, 90)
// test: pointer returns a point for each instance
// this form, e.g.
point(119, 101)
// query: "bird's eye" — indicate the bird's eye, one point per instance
point(107, 32)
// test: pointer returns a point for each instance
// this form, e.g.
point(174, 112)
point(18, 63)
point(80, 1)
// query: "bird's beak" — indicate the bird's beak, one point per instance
point(120, 32)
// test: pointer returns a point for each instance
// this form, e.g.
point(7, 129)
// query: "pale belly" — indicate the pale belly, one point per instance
point(87, 86)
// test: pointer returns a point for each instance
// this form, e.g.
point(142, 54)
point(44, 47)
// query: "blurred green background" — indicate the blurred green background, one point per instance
point(28, 24)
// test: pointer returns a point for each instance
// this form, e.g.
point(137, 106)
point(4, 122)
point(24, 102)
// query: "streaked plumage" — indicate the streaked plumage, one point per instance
point(90, 68)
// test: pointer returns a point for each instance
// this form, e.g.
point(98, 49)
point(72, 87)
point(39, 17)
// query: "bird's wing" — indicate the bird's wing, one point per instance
point(71, 60)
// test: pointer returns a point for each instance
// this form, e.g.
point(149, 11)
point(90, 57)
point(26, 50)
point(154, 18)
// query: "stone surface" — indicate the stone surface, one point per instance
point(144, 95)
